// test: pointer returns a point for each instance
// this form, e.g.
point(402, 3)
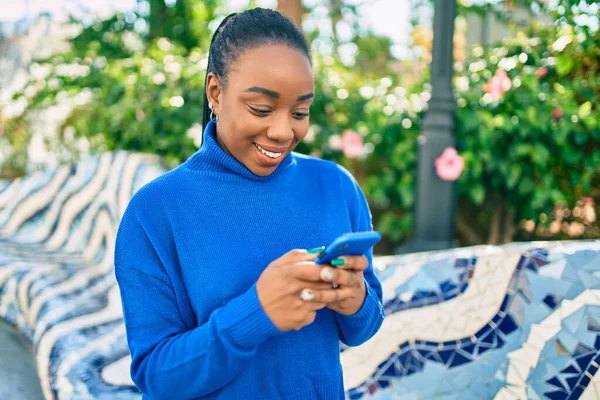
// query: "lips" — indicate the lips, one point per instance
point(269, 160)
point(272, 149)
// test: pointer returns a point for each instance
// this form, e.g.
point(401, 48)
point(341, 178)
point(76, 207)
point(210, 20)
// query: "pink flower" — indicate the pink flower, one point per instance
point(541, 72)
point(557, 113)
point(449, 165)
point(498, 85)
point(587, 201)
point(352, 144)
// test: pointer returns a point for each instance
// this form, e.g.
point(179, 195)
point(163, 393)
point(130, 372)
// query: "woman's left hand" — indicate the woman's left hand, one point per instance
point(350, 276)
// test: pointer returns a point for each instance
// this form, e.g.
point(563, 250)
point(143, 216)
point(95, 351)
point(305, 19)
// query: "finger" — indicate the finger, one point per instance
point(305, 271)
point(355, 263)
point(294, 256)
point(310, 318)
point(315, 306)
point(331, 295)
point(318, 306)
point(340, 277)
point(315, 285)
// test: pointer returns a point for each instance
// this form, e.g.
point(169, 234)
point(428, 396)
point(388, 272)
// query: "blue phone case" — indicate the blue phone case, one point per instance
point(349, 244)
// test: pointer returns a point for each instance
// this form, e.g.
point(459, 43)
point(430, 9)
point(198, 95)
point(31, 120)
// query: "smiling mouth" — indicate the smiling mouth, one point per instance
point(269, 154)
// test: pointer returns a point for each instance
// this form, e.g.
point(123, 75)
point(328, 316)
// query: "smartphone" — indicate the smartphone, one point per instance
point(349, 244)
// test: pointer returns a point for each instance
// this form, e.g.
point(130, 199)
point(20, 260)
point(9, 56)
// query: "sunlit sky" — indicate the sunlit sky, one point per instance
point(387, 17)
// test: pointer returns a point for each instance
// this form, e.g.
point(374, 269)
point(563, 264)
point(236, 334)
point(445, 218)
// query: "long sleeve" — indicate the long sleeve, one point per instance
point(170, 360)
point(358, 328)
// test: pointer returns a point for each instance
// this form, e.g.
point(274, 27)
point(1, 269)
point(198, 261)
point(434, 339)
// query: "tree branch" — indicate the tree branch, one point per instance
point(496, 223)
point(509, 227)
point(293, 9)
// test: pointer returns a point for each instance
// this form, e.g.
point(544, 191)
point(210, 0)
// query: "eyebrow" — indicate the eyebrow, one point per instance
point(276, 95)
point(305, 97)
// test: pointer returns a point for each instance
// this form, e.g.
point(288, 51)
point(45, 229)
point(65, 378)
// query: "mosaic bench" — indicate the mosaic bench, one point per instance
point(520, 321)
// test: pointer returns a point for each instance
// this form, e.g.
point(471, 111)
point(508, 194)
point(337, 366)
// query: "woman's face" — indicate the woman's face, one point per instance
point(263, 109)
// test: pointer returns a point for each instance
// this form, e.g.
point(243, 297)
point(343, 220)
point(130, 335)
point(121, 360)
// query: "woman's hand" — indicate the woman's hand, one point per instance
point(348, 277)
point(292, 288)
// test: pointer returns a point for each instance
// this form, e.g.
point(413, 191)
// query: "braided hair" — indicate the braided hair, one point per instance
point(249, 29)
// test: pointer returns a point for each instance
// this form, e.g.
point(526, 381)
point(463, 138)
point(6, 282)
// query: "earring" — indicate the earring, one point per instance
point(212, 113)
point(210, 106)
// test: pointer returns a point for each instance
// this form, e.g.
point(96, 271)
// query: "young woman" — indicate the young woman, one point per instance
point(220, 296)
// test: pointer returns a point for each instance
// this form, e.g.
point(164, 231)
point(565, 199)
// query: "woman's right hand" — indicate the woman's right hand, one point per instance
point(281, 283)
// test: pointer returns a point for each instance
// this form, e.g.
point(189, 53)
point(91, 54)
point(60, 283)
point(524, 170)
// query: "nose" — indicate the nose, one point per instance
point(281, 129)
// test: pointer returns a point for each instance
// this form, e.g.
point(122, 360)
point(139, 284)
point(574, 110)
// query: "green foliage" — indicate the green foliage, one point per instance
point(537, 146)
point(146, 102)
point(527, 150)
point(528, 153)
point(105, 37)
point(128, 89)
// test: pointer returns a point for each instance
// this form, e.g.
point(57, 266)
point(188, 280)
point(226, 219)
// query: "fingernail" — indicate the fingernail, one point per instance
point(307, 295)
point(315, 250)
point(338, 262)
point(327, 274)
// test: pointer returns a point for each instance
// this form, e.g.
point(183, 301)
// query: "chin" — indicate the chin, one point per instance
point(264, 171)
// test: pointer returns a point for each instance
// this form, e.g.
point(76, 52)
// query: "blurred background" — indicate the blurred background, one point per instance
point(81, 76)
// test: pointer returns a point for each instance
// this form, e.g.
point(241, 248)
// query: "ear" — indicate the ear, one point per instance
point(214, 91)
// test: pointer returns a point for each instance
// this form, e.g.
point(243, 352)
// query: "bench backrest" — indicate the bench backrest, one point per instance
point(75, 209)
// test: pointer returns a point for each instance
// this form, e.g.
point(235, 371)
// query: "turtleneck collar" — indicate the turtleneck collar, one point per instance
point(213, 160)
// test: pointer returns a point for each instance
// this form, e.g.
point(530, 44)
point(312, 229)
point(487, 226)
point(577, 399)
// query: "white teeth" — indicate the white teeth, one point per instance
point(268, 153)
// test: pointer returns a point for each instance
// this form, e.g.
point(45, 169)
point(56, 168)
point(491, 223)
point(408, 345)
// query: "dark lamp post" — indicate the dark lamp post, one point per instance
point(435, 198)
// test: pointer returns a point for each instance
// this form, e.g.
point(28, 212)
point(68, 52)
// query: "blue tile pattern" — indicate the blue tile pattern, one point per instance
point(441, 280)
point(541, 281)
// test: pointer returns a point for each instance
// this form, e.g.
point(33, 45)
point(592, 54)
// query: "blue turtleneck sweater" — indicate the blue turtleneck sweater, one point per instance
point(189, 250)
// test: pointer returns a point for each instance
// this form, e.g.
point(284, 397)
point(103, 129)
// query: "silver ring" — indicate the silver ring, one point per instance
point(307, 295)
point(327, 274)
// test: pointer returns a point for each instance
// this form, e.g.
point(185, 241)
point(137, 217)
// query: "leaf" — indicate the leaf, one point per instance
point(565, 65)
point(540, 197)
point(540, 155)
point(523, 149)
point(531, 114)
point(557, 196)
point(591, 122)
point(514, 175)
point(498, 121)
point(477, 194)
point(526, 186)
point(585, 110)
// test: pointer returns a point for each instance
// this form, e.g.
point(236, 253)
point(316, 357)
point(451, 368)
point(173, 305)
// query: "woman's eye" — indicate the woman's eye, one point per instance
point(260, 112)
point(299, 115)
